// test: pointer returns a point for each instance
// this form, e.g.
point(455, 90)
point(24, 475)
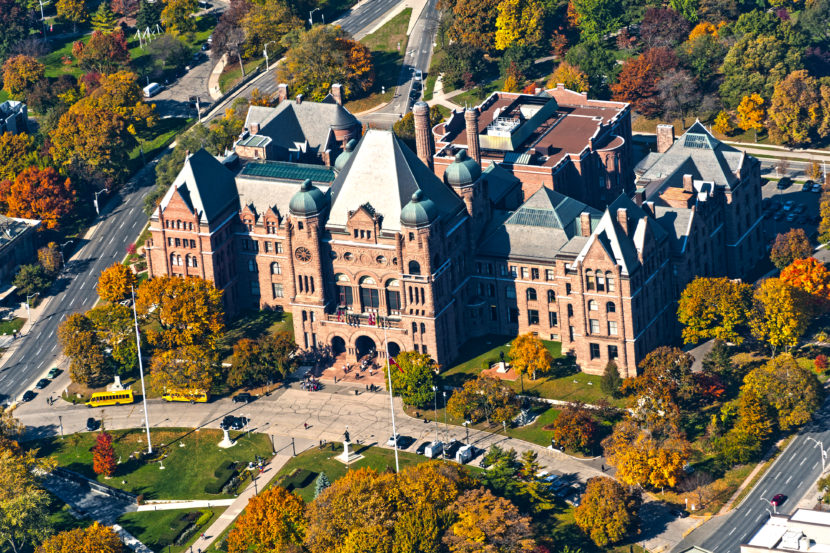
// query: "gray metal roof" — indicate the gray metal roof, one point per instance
point(206, 186)
point(500, 181)
point(291, 123)
point(384, 172)
point(696, 153)
point(12, 227)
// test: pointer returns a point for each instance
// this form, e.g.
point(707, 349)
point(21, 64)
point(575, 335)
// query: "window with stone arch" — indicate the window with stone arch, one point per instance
point(531, 294)
point(551, 296)
point(589, 280)
point(414, 268)
point(610, 307)
point(393, 296)
point(593, 305)
point(369, 297)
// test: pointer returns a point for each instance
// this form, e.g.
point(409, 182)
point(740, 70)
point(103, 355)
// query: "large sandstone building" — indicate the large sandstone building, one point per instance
point(525, 214)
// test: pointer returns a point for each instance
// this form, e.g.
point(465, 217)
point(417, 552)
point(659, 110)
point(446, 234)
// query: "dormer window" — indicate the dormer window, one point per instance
point(249, 224)
point(271, 227)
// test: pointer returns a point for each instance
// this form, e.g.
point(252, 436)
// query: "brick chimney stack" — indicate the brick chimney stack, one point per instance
point(687, 183)
point(299, 98)
point(471, 125)
point(585, 223)
point(665, 137)
point(282, 92)
point(622, 219)
point(337, 93)
point(424, 144)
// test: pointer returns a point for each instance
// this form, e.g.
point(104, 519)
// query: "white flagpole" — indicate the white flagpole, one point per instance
point(391, 402)
point(141, 372)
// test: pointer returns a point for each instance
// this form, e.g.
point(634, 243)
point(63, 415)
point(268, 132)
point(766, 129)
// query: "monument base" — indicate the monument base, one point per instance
point(226, 440)
point(352, 457)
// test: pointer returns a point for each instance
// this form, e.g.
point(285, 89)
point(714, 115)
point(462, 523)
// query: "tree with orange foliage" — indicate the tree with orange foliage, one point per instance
point(703, 28)
point(570, 76)
point(273, 521)
point(20, 73)
point(810, 275)
point(637, 82)
point(92, 539)
point(115, 283)
point(789, 246)
point(104, 53)
point(103, 455)
point(38, 194)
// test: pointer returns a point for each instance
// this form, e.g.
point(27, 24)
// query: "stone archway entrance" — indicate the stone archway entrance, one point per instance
point(364, 346)
point(394, 350)
point(338, 345)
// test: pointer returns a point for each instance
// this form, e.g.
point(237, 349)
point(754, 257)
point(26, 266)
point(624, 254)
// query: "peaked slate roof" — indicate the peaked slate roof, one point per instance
point(206, 186)
point(384, 172)
point(290, 123)
point(697, 153)
point(500, 181)
point(547, 224)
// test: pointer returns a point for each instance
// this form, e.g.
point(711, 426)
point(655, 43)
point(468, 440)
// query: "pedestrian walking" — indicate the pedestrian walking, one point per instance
point(305, 426)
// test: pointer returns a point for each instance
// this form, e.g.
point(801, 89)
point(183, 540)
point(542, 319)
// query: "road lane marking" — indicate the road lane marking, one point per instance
point(788, 479)
point(39, 350)
point(802, 461)
point(747, 513)
point(73, 301)
point(732, 531)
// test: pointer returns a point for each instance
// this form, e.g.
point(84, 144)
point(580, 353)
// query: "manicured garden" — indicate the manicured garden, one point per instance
point(173, 529)
point(190, 458)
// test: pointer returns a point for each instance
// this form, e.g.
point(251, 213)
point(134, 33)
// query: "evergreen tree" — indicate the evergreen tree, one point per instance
point(611, 381)
point(103, 19)
point(718, 360)
point(321, 484)
point(149, 15)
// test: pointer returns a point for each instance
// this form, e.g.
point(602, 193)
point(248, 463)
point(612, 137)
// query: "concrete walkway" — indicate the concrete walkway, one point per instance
point(442, 99)
point(238, 505)
point(213, 81)
point(175, 505)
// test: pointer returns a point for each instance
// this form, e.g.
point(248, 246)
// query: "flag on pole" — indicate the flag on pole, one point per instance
point(393, 362)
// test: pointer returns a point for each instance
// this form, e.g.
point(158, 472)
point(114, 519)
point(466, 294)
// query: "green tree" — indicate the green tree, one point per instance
point(413, 376)
point(596, 18)
point(258, 362)
point(32, 279)
point(149, 14)
point(24, 504)
point(176, 16)
point(714, 308)
point(15, 25)
point(795, 110)
point(113, 323)
point(533, 492)
point(611, 381)
point(608, 511)
point(321, 483)
point(756, 65)
point(88, 364)
point(575, 428)
point(686, 8)
point(485, 398)
point(792, 391)
point(267, 22)
point(814, 20)
point(72, 10)
point(598, 62)
point(702, 55)
point(103, 19)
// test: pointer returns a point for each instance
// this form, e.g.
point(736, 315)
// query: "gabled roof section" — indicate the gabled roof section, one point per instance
point(695, 153)
point(553, 210)
point(292, 123)
point(386, 173)
point(206, 186)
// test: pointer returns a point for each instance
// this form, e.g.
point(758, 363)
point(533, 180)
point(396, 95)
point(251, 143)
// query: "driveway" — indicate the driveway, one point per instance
point(173, 100)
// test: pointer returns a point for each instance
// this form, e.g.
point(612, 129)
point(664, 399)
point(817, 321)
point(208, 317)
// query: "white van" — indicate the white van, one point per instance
point(434, 450)
point(151, 90)
point(464, 454)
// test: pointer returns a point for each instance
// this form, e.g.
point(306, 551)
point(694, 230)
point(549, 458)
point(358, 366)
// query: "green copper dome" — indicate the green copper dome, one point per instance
point(308, 201)
point(344, 156)
point(419, 212)
point(464, 170)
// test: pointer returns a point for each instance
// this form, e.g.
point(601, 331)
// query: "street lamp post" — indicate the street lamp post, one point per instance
point(446, 426)
point(95, 200)
point(28, 297)
point(265, 53)
point(435, 410)
point(311, 17)
point(467, 428)
point(823, 452)
point(60, 424)
point(62, 246)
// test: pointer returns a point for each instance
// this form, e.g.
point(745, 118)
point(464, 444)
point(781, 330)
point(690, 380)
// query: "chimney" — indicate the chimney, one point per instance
point(622, 219)
point(337, 93)
point(665, 137)
point(585, 223)
point(423, 133)
point(640, 196)
point(282, 92)
point(687, 183)
point(471, 124)
point(299, 98)
point(254, 128)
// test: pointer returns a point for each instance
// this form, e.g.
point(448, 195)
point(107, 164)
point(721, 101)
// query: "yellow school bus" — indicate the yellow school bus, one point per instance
point(100, 399)
point(193, 396)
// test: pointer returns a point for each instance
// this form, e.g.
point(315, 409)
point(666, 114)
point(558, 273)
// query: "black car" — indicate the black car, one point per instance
point(91, 424)
point(42, 383)
point(29, 395)
point(243, 398)
point(784, 183)
point(421, 448)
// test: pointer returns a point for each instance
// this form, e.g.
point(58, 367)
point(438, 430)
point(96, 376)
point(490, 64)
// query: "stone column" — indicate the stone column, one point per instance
point(424, 143)
point(471, 125)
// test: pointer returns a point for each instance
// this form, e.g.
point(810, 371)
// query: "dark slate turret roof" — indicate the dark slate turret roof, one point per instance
point(308, 200)
point(464, 170)
point(206, 186)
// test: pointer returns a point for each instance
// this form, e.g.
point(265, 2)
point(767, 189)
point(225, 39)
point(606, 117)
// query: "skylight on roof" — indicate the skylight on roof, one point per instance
point(699, 141)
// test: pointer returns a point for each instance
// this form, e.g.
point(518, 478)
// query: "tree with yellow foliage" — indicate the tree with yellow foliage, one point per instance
point(92, 539)
point(17, 152)
point(723, 123)
point(793, 392)
point(608, 511)
point(779, 315)
point(570, 76)
point(714, 308)
point(116, 282)
point(176, 16)
point(186, 369)
point(645, 458)
point(795, 110)
point(484, 522)
point(20, 73)
point(790, 246)
point(272, 521)
point(519, 23)
point(528, 355)
point(703, 28)
point(24, 503)
point(751, 113)
point(267, 22)
point(72, 10)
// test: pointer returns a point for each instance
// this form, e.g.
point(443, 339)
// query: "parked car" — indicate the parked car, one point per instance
point(784, 183)
point(29, 395)
point(817, 188)
point(791, 217)
point(422, 448)
point(42, 383)
point(152, 89)
point(788, 205)
point(244, 397)
point(778, 499)
point(91, 424)
point(393, 440)
point(434, 450)
point(807, 186)
point(779, 215)
point(54, 373)
point(418, 75)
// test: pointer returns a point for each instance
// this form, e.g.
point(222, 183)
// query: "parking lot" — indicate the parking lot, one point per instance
point(789, 207)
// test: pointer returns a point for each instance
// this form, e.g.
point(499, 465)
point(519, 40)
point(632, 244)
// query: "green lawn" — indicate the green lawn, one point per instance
point(254, 324)
point(157, 138)
point(187, 469)
point(159, 529)
point(476, 95)
point(12, 326)
point(388, 45)
point(233, 73)
point(535, 432)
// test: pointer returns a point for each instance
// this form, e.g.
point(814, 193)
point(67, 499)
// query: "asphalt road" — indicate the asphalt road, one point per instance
point(36, 351)
point(793, 474)
point(365, 15)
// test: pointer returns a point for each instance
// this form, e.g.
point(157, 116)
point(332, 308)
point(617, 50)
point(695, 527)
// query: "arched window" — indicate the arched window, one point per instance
point(179, 260)
point(589, 279)
point(369, 297)
point(592, 305)
point(393, 296)
point(610, 307)
point(252, 265)
point(609, 279)
point(414, 268)
point(531, 294)
point(178, 224)
point(275, 268)
point(414, 328)
point(551, 296)
point(172, 259)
